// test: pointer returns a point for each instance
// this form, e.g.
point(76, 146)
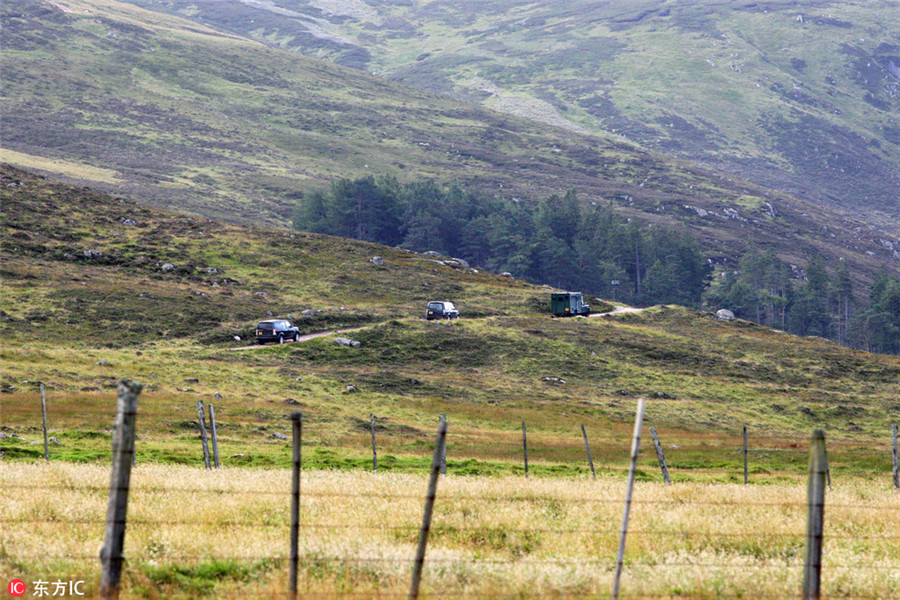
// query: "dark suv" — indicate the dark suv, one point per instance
point(441, 310)
point(276, 330)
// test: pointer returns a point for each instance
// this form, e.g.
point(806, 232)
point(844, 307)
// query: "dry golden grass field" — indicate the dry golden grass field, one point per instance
point(225, 533)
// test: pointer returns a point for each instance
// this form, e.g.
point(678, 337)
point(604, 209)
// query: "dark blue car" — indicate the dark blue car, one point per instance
point(276, 330)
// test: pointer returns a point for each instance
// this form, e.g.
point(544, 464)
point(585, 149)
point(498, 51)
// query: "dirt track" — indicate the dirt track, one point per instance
point(618, 311)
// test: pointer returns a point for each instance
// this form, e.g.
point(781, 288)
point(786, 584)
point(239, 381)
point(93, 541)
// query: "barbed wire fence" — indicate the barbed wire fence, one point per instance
point(113, 558)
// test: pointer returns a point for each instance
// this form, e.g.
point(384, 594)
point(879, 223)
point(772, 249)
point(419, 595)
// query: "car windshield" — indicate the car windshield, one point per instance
point(436, 305)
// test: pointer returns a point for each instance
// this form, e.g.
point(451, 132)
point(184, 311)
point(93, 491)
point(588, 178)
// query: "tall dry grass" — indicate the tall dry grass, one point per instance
point(225, 533)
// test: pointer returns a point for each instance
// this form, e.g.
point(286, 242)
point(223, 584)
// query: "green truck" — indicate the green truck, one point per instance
point(568, 304)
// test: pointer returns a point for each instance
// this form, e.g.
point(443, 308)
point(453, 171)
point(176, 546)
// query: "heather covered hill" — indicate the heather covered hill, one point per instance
point(173, 113)
point(801, 97)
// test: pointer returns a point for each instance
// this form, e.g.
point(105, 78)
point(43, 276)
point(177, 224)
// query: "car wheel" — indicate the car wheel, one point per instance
point(297, 336)
point(280, 339)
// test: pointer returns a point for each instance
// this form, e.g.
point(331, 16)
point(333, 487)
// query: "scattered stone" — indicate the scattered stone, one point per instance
point(350, 389)
point(309, 312)
point(377, 261)
point(465, 264)
point(192, 380)
point(342, 341)
point(623, 393)
point(431, 253)
point(664, 395)
point(212, 271)
point(298, 379)
point(261, 294)
point(92, 254)
point(279, 436)
point(723, 314)
point(103, 363)
point(127, 221)
point(291, 401)
point(218, 396)
point(54, 440)
point(553, 379)
point(506, 274)
point(237, 338)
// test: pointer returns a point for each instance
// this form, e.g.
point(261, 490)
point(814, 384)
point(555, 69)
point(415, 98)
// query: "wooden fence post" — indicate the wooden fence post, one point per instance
point(444, 449)
point(525, 447)
point(111, 558)
point(588, 448)
point(746, 472)
point(44, 411)
point(635, 447)
point(212, 430)
point(812, 566)
point(297, 426)
point(202, 420)
point(827, 466)
point(896, 456)
point(374, 449)
point(429, 508)
point(660, 456)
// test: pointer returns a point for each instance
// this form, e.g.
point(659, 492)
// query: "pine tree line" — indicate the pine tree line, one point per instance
point(561, 241)
point(765, 289)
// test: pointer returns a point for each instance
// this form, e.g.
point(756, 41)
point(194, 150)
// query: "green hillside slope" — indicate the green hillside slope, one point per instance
point(175, 114)
point(800, 97)
point(87, 299)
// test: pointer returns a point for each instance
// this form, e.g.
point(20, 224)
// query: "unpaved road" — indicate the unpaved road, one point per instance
point(618, 311)
point(316, 334)
point(302, 338)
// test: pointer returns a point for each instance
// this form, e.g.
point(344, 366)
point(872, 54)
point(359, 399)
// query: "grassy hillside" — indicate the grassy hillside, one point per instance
point(172, 113)
point(797, 97)
point(87, 301)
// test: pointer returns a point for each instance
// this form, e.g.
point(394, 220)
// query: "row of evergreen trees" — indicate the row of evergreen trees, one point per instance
point(571, 245)
point(561, 241)
point(764, 289)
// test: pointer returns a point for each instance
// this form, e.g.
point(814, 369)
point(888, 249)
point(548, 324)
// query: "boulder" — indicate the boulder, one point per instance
point(350, 389)
point(92, 254)
point(167, 268)
point(462, 262)
point(377, 261)
point(506, 274)
point(553, 379)
point(278, 436)
point(723, 314)
point(342, 341)
point(308, 312)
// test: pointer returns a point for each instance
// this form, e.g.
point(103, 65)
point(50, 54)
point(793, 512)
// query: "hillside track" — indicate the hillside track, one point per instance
point(619, 310)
